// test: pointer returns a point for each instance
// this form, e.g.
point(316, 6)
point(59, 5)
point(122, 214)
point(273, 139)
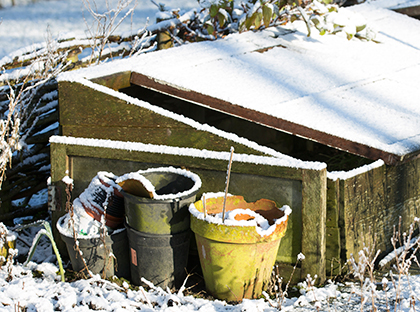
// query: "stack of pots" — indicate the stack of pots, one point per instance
point(158, 228)
point(102, 254)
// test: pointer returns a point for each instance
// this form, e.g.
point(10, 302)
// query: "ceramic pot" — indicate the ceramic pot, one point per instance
point(237, 259)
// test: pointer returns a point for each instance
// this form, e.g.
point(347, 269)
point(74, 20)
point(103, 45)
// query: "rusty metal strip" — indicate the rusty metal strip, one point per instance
point(269, 121)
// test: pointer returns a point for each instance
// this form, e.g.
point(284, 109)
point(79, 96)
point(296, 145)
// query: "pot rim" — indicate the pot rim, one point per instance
point(237, 232)
point(62, 231)
point(169, 197)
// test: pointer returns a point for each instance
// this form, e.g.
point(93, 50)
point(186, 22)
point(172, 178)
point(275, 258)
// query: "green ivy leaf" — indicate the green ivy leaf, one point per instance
point(267, 12)
point(322, 31)
point(315, 20)
point(221, 19)
point(223, 16)
point(258, 19)
point(210, 29)
point(250, 21)
point(293, 18)
point(214, 9)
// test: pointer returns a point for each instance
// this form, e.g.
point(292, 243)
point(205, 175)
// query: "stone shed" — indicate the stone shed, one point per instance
point(329, 126)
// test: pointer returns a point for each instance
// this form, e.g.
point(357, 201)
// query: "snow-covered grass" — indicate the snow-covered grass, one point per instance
point(38, 287)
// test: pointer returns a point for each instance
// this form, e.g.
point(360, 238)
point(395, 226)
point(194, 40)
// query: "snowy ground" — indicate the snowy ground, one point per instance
point(37, 287)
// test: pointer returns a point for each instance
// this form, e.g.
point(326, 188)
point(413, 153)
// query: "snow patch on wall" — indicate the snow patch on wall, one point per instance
point(344, 175)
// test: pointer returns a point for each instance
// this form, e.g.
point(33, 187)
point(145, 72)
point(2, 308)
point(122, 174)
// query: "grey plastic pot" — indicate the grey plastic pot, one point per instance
point(162, 216)
point(96, 254)
point(160, 259)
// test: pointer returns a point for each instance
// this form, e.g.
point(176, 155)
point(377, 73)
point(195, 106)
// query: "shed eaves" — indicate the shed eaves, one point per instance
point(358, 96)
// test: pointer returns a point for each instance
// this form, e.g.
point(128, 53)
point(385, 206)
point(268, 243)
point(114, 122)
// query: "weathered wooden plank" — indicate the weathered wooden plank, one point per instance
point(375, 200)
point(363, 204)
point(59, 169)
point(333, 242)
point(180, 160)
point(314, 205)
point(81, 105)
point(115, 81)
point(181, 137)
point(413, 11)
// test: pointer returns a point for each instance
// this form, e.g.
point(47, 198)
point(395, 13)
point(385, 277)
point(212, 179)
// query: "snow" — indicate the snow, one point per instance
point(395, 4)
point(84, 225)
point(48, 293)
point(24, 25)
point(193, 152)
point(67, 180)
point(344, 175)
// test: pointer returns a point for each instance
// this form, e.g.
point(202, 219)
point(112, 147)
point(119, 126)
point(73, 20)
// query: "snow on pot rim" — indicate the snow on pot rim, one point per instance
point(139, 175)
point(252, 229)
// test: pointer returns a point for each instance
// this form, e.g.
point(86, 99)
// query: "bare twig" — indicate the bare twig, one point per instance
point(105, 24)
point(227, 183)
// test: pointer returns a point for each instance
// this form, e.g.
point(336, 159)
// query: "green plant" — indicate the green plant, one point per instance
point(47, 232)
point(219, 18)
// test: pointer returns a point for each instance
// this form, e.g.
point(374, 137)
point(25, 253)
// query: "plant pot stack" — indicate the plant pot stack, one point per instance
point(158, 224)
point(91, 246)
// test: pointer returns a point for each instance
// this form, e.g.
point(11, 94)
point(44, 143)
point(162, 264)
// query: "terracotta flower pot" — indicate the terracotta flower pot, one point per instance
point(101, 190)
point(237, 256)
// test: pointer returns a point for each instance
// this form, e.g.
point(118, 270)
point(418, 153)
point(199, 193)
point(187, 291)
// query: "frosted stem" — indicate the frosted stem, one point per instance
point(227, 183)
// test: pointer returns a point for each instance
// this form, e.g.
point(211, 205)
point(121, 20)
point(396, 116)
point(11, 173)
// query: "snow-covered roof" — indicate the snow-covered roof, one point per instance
point(355, 95)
